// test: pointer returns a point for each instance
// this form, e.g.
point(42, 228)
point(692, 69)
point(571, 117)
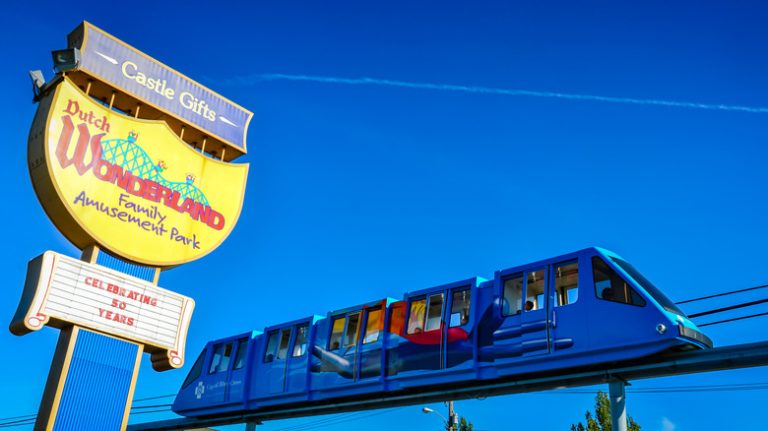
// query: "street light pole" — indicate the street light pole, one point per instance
point(451, 417)
point(450, 421)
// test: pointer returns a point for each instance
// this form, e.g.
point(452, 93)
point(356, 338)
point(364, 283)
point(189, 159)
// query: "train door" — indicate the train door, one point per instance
point(296, 363)
point(236, 377)
point(525, 313)
point(457, 326)
point(536, 314)
point(218, 371)
point(567, 317)
point(425, 333)
point(275, 360)
point(350, 341)
point(368, 358)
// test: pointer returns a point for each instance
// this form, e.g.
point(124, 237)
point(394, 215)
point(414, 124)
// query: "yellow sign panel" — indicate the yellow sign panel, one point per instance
point(129, 185)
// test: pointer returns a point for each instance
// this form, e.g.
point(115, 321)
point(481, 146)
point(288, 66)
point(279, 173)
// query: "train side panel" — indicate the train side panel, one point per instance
point(433, 341)
point(348, 355)
point(217, 380)
point(279, 369)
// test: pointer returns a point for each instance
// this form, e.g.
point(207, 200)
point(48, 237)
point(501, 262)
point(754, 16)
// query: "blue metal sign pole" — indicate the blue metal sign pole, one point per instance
point(92, 378)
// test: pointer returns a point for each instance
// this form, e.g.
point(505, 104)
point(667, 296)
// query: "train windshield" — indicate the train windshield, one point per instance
point(652, 290)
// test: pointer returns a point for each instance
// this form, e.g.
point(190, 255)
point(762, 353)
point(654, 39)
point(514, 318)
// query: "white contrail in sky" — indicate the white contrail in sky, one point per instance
point(498, 91)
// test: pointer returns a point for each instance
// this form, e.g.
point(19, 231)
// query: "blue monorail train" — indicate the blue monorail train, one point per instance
point(573, 311)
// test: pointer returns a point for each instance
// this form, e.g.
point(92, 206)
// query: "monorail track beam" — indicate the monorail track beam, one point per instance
point(701, 361)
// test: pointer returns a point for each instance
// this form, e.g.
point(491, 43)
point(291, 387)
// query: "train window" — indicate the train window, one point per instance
point(460, 308)
point(269, 353)
point(416, 318)
point(660, 297)
point(373, 326)
point(434, 312)
point(220, 361)
point(611, 287)
point(353, 322)
point(534, 290)
point(397, 318)
point(572, 295)
point(195, 371)
point(285, 337)
point(513, 295)
point(338, 329)
point(300, 345)
point(242, 349)
point(566, 283)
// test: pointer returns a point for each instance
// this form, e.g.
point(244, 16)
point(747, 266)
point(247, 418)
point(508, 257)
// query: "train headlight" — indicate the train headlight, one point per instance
point(661, 328)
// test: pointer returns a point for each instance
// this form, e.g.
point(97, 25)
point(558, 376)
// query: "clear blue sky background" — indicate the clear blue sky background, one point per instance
point(357, 192)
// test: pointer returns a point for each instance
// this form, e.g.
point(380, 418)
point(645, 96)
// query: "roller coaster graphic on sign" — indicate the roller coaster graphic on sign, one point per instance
point(127, 154)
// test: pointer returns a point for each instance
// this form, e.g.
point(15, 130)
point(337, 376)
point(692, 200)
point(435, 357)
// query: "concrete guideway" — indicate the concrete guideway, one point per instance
point(700, 361)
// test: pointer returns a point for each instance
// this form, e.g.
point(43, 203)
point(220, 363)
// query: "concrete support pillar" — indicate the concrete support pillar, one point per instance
point(618, 405)
point(250, 426)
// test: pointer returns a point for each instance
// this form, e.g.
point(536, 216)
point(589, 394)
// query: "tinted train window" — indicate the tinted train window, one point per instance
point(416, 317)
point(513, 295)
point(300, 345)
point(611, 287)
point(220, 361)
point(373, 326)
point(269, 354)
point(242, 349)
point(285, 337)
point(658, 295)
point(397, 318)
point(434, 312)
point(566, 283)
point(350, 337)
point(534, 290)
point(460, 308)
point(195, 372)
point(336, 333)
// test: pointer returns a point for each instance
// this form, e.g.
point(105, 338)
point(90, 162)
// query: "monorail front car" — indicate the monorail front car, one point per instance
point(577, 310)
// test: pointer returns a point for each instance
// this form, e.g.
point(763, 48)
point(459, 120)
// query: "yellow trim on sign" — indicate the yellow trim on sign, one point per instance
point(88, 26)
point(90, 254)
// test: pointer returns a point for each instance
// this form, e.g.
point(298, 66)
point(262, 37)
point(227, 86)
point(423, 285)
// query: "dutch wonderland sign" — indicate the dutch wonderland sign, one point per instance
point(129, 185)
point(110, 180)
point(61, 290)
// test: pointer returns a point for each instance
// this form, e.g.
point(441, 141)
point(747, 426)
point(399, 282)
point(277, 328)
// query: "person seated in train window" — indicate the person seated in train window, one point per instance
point(335, 345)
point(298, 350)
point(608, 294)
point(464, 317)
point(270, 357)
point(529, 306)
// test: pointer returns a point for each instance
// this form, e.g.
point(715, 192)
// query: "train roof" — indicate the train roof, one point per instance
point(473, 282)
point(308, 319)
point(387, 300)
point(557, 259)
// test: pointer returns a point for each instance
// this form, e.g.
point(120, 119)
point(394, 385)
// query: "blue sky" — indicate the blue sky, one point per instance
point(359, 191)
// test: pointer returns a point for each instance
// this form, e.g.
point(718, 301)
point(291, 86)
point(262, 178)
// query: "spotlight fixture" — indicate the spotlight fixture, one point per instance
point(38, 82)
point(65, 60)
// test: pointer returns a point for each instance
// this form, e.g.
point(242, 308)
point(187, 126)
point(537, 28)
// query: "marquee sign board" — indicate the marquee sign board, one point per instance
point(60, 290)
point(108, 59)
point(129, 185)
